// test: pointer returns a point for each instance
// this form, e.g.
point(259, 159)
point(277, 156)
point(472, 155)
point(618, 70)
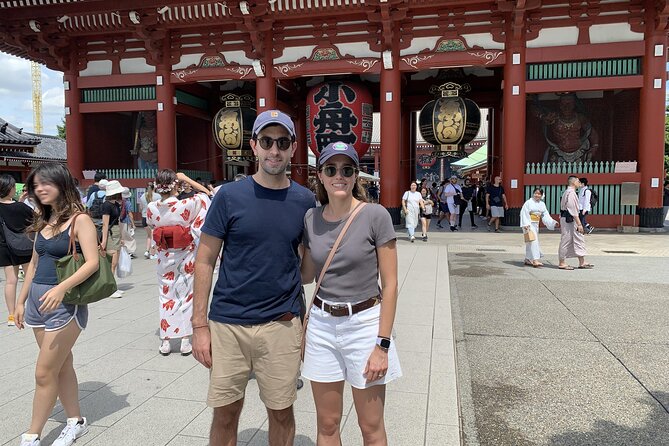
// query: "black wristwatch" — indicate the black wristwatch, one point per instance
point(384, 343)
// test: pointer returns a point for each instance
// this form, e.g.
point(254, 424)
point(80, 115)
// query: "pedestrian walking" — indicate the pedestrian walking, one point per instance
point(426, 212)
point(15, 217)
point(468, 203)
point(412, 204)
point(111, 232)
point(127, 224)
point(176, 226)
point(572, 239)
point(584, 204)
point(56, 325)
point(533, 211)
point(665, 203)
point(481, 200)
point(254, 323)
point(148, 197)
point(443, 206)
point(453, 194)
point(348, 338)
point(496, 203)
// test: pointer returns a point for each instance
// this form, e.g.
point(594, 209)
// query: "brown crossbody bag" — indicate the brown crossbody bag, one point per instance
point(326, 265)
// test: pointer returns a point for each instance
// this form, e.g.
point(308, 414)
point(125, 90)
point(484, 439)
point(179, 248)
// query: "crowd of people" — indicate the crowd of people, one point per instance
point(257, 322)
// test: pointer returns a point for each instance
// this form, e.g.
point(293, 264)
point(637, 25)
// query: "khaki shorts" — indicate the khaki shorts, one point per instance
point(271, 350)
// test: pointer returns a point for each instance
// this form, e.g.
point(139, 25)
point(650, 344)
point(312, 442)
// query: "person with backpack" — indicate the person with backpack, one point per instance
point(586, 197)
point(111, 234)
point(15, 217)
point(94, 205)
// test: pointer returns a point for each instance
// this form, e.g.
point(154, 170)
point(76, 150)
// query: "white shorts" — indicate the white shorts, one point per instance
point(497, 211)
point(453, 208)
point(337, 348)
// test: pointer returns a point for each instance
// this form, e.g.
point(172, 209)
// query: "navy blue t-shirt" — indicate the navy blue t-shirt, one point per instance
point(259, 278)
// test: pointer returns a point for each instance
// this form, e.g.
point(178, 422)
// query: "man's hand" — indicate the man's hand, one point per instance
point(202, 345)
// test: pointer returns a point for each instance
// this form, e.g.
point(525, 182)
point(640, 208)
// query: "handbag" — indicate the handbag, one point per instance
point(323, 271)
point(529, 235)
point(19, 243)
point(96, 287)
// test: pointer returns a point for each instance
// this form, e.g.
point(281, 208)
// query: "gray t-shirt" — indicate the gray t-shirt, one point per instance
point(354, 271)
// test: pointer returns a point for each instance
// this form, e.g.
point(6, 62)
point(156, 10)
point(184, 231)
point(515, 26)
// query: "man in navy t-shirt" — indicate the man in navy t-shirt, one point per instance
point(254, 320)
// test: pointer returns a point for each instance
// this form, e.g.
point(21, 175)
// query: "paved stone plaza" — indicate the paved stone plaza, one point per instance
point(544, 356)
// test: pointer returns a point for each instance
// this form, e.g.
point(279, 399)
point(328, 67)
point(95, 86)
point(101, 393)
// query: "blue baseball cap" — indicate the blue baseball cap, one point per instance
point(273, 117)
point(338, 148)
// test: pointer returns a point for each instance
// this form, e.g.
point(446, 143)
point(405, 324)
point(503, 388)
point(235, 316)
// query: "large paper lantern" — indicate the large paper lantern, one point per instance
point(339, 111)
point(449, 122)
point(233, 125)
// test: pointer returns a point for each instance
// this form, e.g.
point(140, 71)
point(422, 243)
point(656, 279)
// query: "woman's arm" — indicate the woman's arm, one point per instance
point(307, 268)
point(19, 312)
point(194, 184)
point(105, 230)
point(84, 232)
point(387, 257)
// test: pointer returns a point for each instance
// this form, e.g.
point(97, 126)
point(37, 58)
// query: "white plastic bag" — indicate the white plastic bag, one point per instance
point(124, 268)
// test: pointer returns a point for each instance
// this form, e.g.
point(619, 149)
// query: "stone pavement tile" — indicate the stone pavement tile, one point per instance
point(415, 373)
point(557, 392)
point(443, 356)
point(185, 440)
point(111, 403)
point(16, 384)
point(649, 363)
point(413, 338)
point(618, 311)
point(443, 400)
point(19, 358)
point(15, 416)
point(192, 385)
point(156, 422)
point(149, 341)
point(305, 431)
point(106, 369)
point(410, 312)
point(149, 323)
point(172, 363)
point(94, 349)
point(442, 435)
point(511, 308)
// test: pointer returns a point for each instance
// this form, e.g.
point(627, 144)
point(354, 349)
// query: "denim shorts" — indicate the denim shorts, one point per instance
point(337, 348)
point(56, 319)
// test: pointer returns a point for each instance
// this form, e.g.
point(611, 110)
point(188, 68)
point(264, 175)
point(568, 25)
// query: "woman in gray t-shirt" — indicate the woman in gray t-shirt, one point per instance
point(349, 333)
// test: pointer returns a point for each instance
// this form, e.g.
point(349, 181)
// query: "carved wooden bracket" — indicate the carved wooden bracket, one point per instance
point(213, 67)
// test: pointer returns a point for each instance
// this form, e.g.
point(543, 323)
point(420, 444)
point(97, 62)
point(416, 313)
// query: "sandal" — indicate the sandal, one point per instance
point(537, 265)
point(528, 263)
point(567, 268)
point(586, 266)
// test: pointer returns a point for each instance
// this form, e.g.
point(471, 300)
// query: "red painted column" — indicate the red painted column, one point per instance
point(266, 86)
point(513, 129)
point(299, 170)
point(406, 176)
point(166, 120)
point(74, 124)
point(651, 123)
point(390, 108)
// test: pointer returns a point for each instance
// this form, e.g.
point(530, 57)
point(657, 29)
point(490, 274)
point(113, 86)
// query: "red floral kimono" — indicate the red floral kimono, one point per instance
point(176, 266)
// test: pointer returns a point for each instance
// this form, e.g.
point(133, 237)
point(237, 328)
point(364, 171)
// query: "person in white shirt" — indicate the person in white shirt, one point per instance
point(147, 197)
point(412, 203)
point(453, 193)
point(584, 195)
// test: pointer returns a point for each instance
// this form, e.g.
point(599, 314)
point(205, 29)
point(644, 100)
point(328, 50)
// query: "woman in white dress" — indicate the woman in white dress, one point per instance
point(412, 203)
point(533, 211)
point(176, 228)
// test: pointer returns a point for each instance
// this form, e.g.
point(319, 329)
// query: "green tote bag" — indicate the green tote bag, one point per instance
point(97, 286)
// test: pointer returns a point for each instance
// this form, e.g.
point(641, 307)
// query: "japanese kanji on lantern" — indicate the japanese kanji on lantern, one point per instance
point(233, 125)
point(450, 121)
point(339, 111)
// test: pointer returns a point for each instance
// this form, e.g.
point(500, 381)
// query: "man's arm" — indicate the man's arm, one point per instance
point(207, 253)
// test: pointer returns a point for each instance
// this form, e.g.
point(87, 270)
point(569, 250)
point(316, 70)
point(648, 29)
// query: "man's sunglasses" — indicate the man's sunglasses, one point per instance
point(346, 171)
point(282, 143)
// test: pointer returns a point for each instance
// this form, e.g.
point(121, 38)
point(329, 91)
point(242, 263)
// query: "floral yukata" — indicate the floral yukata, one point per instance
point(176, 266)
point(532, 212)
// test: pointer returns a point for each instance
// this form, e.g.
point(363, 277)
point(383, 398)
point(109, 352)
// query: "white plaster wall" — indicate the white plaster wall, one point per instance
point(293, 54)
point(136, 65)
point(356, 49)
point(188, 60)
point(238, 57)
point(484, 40)
point(97, 68)
point(614, 32)
point(419, 44)
point(567, 35)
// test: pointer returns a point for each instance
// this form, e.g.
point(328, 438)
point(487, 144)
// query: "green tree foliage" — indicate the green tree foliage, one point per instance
point(61, 132)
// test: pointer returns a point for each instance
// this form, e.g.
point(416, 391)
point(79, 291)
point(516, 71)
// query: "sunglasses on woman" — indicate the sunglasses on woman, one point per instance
point(282, 143)
point(346, 171)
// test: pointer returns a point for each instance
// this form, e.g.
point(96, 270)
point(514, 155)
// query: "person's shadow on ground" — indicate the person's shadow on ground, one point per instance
point(259, 434)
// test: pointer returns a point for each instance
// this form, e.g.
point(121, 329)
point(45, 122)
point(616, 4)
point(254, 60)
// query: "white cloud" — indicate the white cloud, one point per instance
point(16, 91)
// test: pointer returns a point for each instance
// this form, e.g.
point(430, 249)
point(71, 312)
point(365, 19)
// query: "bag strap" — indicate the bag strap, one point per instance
point(326, 265)
point(72, 248)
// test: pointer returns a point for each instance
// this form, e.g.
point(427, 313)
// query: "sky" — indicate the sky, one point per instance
point(16, 105)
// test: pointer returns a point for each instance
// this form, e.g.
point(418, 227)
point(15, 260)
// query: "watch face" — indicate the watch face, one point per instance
point(385, 343)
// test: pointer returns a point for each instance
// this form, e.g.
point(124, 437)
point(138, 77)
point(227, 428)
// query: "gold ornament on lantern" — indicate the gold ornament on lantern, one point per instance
point(233, 125)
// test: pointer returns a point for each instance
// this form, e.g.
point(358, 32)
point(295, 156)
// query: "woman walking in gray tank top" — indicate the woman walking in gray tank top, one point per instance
point(40, 305)
point(348, 337)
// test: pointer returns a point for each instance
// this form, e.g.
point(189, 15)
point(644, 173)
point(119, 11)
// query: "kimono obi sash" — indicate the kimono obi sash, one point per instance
point(173, 237)
point(535, 217)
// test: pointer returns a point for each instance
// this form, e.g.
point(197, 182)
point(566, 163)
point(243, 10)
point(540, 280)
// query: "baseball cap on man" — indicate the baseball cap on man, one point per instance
point(273, 117)
point(338, 148)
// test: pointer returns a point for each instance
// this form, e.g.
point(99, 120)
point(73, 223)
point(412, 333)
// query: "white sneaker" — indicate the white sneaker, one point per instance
point(186, 347)
point(165, 348)
point(73, 430)
point(154, 257)
point(117, 294)
point(146, 255)
point(30, 440)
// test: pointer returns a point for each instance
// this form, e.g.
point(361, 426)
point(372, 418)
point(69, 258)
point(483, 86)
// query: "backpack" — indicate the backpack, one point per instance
point(95, 211)
point(594, 198)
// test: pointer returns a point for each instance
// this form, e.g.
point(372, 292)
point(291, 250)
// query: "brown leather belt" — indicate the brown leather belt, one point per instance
point(285, 317)
point(343, 309)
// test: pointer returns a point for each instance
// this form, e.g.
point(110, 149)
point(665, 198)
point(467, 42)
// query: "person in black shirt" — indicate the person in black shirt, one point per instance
point(186, 192)
point(99, 176)
point(496, 203)
point(17, 217)
point(111, 233)
point(469, 202)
